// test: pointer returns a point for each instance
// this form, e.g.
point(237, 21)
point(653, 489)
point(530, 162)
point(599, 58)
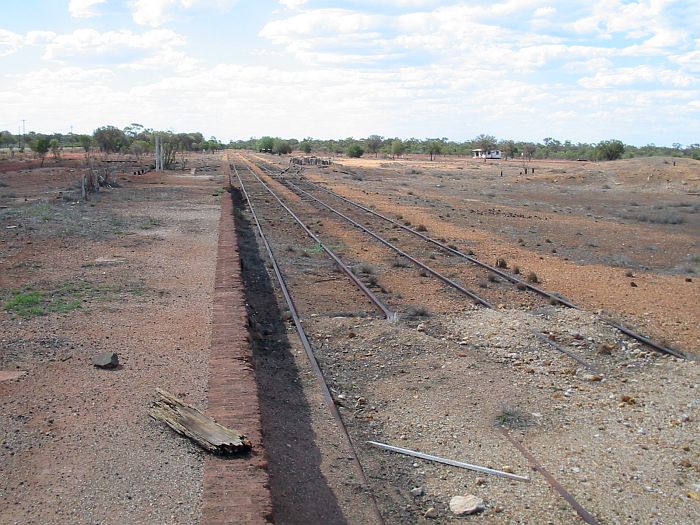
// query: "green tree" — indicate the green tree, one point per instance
point(397, 148)
point(485, 142)
point(610, 149)
point(56, 148)
point(374, 143)
point(41, 147)
point(110, 139)
point(509, 148)
point(529, 148)
point(434, 148)
point(85, 142)
point(281, 147)
point(355, 151)
point(139, 147)
point(305, 146)
point(265, 144)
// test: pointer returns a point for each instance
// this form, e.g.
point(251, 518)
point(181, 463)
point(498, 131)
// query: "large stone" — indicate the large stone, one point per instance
point(108, 360)
point(463, 505)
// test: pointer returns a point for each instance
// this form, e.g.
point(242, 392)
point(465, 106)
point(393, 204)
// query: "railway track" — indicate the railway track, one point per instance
point(385, 308)
point(519, 283)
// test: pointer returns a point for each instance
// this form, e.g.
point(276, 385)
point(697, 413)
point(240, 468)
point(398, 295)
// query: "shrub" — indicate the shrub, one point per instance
point(355, 151)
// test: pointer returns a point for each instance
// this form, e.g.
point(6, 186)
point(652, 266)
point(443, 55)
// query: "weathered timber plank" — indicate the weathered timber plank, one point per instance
point(187, 420)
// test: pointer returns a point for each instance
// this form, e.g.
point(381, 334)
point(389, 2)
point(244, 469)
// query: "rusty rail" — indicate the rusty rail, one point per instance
point(312, 358)
point(514, 280)
point(388, 314)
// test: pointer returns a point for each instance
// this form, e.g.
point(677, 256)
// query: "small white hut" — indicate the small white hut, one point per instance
point(480, 153)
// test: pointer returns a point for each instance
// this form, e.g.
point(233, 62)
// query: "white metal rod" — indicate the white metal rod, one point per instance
point(452, 462)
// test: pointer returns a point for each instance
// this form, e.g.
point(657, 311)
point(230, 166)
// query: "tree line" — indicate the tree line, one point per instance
point(137, 140)
point(548, 148)
point(134, 139)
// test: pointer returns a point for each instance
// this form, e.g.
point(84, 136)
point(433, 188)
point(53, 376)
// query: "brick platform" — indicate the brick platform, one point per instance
point(235, 490)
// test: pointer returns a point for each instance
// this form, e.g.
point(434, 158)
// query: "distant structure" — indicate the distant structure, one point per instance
point(311, 161)
point(486, 153)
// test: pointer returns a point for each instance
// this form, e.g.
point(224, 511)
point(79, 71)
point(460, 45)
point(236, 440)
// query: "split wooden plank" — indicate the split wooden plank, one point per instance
point(187, 420)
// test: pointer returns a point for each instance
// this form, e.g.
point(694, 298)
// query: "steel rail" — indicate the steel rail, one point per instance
point(618, 326)
point(312, 358)
point(398, 250)
point(388, 314)
point(582, 512)
point(485, 303)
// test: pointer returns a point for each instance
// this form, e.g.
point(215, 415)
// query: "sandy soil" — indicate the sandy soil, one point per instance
point(131, 272)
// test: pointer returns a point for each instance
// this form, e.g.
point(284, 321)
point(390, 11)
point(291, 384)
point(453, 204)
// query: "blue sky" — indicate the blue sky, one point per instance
point(516, 69)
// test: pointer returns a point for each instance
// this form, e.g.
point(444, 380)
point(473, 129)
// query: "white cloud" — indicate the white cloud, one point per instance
point(155, 13)
point(627, 76)
point(9, 42)
point(543, 12)
point(83, 8)
point(151, 12)
point(34, 38)
point(293, 4)
point(117, 47)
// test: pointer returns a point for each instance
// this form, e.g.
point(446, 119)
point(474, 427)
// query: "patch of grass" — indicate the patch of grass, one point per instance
point(421, 228)
point(492, 278)
point(516, 269)
point(532, 277)
point(655, 218)
point(510, 417)
point(3, 184)
point(146, 223)
point(317, 248)
point(501, 263)
point(398, 263)
point(416, 312)
point(365, 269)
point(26, 303)
point(30, 303)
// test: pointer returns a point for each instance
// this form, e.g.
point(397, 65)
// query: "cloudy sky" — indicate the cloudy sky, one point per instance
point(519, 69)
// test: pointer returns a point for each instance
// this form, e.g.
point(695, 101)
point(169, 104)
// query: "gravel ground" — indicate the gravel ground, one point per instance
point(77, 444)
point(618, 433)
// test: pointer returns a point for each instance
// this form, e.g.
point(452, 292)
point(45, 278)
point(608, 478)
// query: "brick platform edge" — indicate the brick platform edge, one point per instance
point(235, 490)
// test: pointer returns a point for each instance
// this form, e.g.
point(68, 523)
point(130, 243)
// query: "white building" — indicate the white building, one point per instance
point(486, 154)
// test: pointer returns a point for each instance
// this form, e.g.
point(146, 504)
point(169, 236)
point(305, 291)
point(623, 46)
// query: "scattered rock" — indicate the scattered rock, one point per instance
point(9, 375)
point(107, 360)
point(508, 469)
point(431, 513)
point(633, 284)
point(605, 348)
point(629, 400)
point(464, 505)
point(417, 491)
point(481, 481)
point(592, 377)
